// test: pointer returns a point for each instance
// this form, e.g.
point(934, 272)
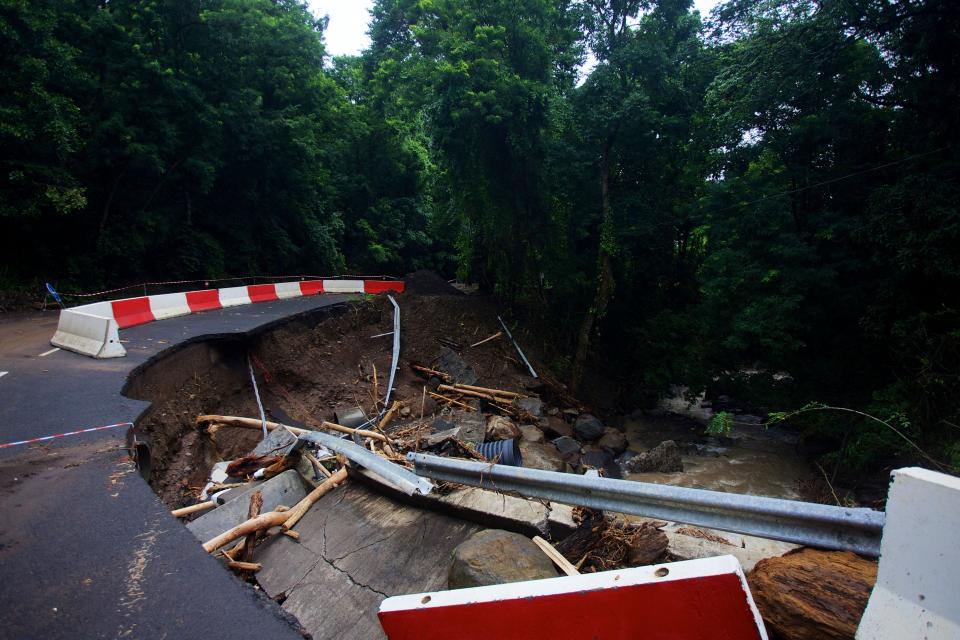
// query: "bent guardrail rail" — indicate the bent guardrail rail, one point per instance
point(818, 525)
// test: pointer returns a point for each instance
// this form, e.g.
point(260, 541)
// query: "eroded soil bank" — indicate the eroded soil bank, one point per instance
point(314, 365)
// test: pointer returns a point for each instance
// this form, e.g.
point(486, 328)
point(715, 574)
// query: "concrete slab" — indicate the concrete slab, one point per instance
point(286, 489)
point(356, 548)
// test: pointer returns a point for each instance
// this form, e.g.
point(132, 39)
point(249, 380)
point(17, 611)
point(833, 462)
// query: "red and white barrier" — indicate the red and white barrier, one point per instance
point(93, 329)
point(704, 599)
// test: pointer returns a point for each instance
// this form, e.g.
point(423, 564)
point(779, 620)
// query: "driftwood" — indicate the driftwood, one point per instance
point(556, 556)
point(256, 503)
point(294, 515)
point(185, 511)
point(493, 337)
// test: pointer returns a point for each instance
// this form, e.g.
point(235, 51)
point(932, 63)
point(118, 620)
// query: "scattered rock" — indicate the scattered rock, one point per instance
point(809, 594)
point(461, 425)
point(453, 364)
point(541, 456)
point(614, 441)
point(533, 406)
point(603, 461)
point(588, 427)
point(552, 411)
point(572, 413)
point(664, 458)
point(532, 434)
point(566, 445)
point(556, 427)
point(501, 428)
point(405, 412)
point(648, 547)
point(494, 556)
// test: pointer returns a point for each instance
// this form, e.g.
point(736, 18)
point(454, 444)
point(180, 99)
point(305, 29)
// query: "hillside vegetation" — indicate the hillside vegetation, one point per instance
point(762, 202)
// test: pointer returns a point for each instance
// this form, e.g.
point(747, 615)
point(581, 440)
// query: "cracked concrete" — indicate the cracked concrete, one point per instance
point(356, 548)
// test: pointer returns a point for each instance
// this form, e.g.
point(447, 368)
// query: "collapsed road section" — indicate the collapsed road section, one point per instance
point(326, 516)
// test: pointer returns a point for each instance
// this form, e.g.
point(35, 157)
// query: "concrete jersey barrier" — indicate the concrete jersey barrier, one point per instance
point(94, 329)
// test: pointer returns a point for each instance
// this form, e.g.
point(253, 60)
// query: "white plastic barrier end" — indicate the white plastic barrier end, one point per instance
point(90, 335)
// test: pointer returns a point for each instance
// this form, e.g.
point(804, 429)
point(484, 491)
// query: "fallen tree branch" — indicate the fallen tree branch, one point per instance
point(493, 392)
point(261, 522)
point(256, 503)
point(244, 566)
point(294, 515)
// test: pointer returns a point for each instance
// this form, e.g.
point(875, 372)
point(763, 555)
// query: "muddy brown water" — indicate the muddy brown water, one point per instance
point(753, 460)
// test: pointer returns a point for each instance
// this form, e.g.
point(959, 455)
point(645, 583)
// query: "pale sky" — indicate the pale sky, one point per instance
point(347, 32)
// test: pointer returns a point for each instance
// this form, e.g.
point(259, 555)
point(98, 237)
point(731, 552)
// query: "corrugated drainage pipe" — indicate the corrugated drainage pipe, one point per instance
point(502, 452)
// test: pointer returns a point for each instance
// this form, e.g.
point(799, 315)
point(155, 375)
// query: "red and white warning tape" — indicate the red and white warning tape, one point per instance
point(69, 433)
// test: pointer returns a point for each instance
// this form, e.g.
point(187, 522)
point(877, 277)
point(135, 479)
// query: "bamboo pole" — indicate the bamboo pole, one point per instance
point(467, 392)
point(185, 511)
point(248, 423)
point(495, 392)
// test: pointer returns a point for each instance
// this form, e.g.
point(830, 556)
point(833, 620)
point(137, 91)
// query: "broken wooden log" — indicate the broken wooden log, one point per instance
point(196, 508)
point(294, 515)
point(248, 465)
point(809, 594)
point(244, 566)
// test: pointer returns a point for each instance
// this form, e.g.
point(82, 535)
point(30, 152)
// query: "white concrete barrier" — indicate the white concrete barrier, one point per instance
point(169, 305)
point(288, 290)
point(917, 594)
point(88, 334)
point(343, 286)
point(234, 296)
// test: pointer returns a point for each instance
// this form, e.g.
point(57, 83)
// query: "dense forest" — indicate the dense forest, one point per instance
point(762, 202)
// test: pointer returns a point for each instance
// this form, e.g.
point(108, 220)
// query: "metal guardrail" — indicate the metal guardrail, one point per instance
point(398, 475)
point(816, 525)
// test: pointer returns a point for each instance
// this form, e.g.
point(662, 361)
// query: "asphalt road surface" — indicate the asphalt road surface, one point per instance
point(86, 548)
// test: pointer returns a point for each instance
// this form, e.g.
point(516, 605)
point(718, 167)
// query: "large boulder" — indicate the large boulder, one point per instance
point(664, 458)
point(494, 556)
point(531, 433)
point(588, 427)
point(501, 428)
point(613, 441)
point(809, 594)
point(541, 456)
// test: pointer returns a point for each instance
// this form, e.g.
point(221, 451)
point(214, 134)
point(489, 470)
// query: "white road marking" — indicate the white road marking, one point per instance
point(46, 353)
point(3, 373)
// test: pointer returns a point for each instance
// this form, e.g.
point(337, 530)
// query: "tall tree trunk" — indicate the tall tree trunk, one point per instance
point(605, 281)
